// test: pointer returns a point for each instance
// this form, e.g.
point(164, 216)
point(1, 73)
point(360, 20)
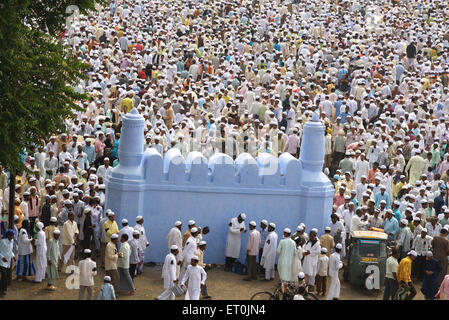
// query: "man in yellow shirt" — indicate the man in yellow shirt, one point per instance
point(404, 274)
point(110, 227)
point(127, 103)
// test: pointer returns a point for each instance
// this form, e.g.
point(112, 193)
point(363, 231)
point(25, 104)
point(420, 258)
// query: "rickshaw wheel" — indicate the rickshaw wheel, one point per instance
point(263, 295)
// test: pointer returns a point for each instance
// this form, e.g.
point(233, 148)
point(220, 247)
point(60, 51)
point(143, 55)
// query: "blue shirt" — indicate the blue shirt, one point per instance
point(106, 292)
point(90, 152)
point(337, 106)
point(379, 197)
point(343, 117)
point(391, 226)
point(397, 214)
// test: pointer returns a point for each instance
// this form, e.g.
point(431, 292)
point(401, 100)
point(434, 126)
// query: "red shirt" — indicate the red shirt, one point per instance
point(142, 75)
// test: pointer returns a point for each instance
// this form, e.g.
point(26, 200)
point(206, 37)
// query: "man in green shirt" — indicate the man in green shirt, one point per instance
point(126, 282)
point(391, 280)
point(53, 256)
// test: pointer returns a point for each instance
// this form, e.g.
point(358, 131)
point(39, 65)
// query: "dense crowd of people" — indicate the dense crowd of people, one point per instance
point(245, 76)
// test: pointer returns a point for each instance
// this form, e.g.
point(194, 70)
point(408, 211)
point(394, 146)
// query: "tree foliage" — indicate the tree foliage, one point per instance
point(36, 74)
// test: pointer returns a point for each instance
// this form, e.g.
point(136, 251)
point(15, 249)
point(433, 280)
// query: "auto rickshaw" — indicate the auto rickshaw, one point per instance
point(366, 249)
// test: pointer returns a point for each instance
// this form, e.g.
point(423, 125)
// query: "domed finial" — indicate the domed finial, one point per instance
point(315, 117)
point(134, 111)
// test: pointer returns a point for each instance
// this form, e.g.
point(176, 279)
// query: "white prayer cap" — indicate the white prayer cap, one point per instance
point(327, 228)
point(138, 218)
point(174, 247)
point(424, 230)
point(383, 201)
point(301, 275)
point(429, 254)
point(191, 222)
point(136, 232)
point(265, 222)
point(87, 251)
point(114, 236)
point(347, 197)
point(243, 216)
point(338, 246)
point(195, 258)
point(202, 243)
point(124, 221)
point(314, 230)
point(412, 252)
point(272, 224)
point(194, 229)
point(416, 219)
point(39, 225)
point(303, 225)
point(56, 231)
point(287, 230)
point(107, 278)
point(363, 176)
point(253, 223)
point(396, 202)
point(26, 193)
point(323, 250)
point(16, 217)
point(404, 221)
point(299, 228)
point(383, 187)
point(111, 214)
point(67, 202)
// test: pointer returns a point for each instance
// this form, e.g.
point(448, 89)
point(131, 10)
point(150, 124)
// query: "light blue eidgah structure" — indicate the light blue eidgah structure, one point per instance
point(283, 190)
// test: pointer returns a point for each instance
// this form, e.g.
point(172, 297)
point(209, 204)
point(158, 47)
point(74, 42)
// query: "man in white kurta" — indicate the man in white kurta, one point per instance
point(196, 276)
point(335, 265)
point(269, 252)
point(41, 254)
point(126, 229)
point(361, 168)
point(169, 274)
point(174, 238)
point(143, 243)
point(234, 239)
point(286, 252)
point(87, 272)
point(311, 252)
point(189, 251)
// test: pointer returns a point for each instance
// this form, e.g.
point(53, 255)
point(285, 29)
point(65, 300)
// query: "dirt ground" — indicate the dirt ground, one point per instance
point(221, 286)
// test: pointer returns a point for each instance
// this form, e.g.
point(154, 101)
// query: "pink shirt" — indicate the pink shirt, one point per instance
point(292, 144)
point(99, 147)
point(445, 287)
point(253, 243)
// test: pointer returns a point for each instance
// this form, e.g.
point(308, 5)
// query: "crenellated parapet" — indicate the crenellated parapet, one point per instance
point(220, 171)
